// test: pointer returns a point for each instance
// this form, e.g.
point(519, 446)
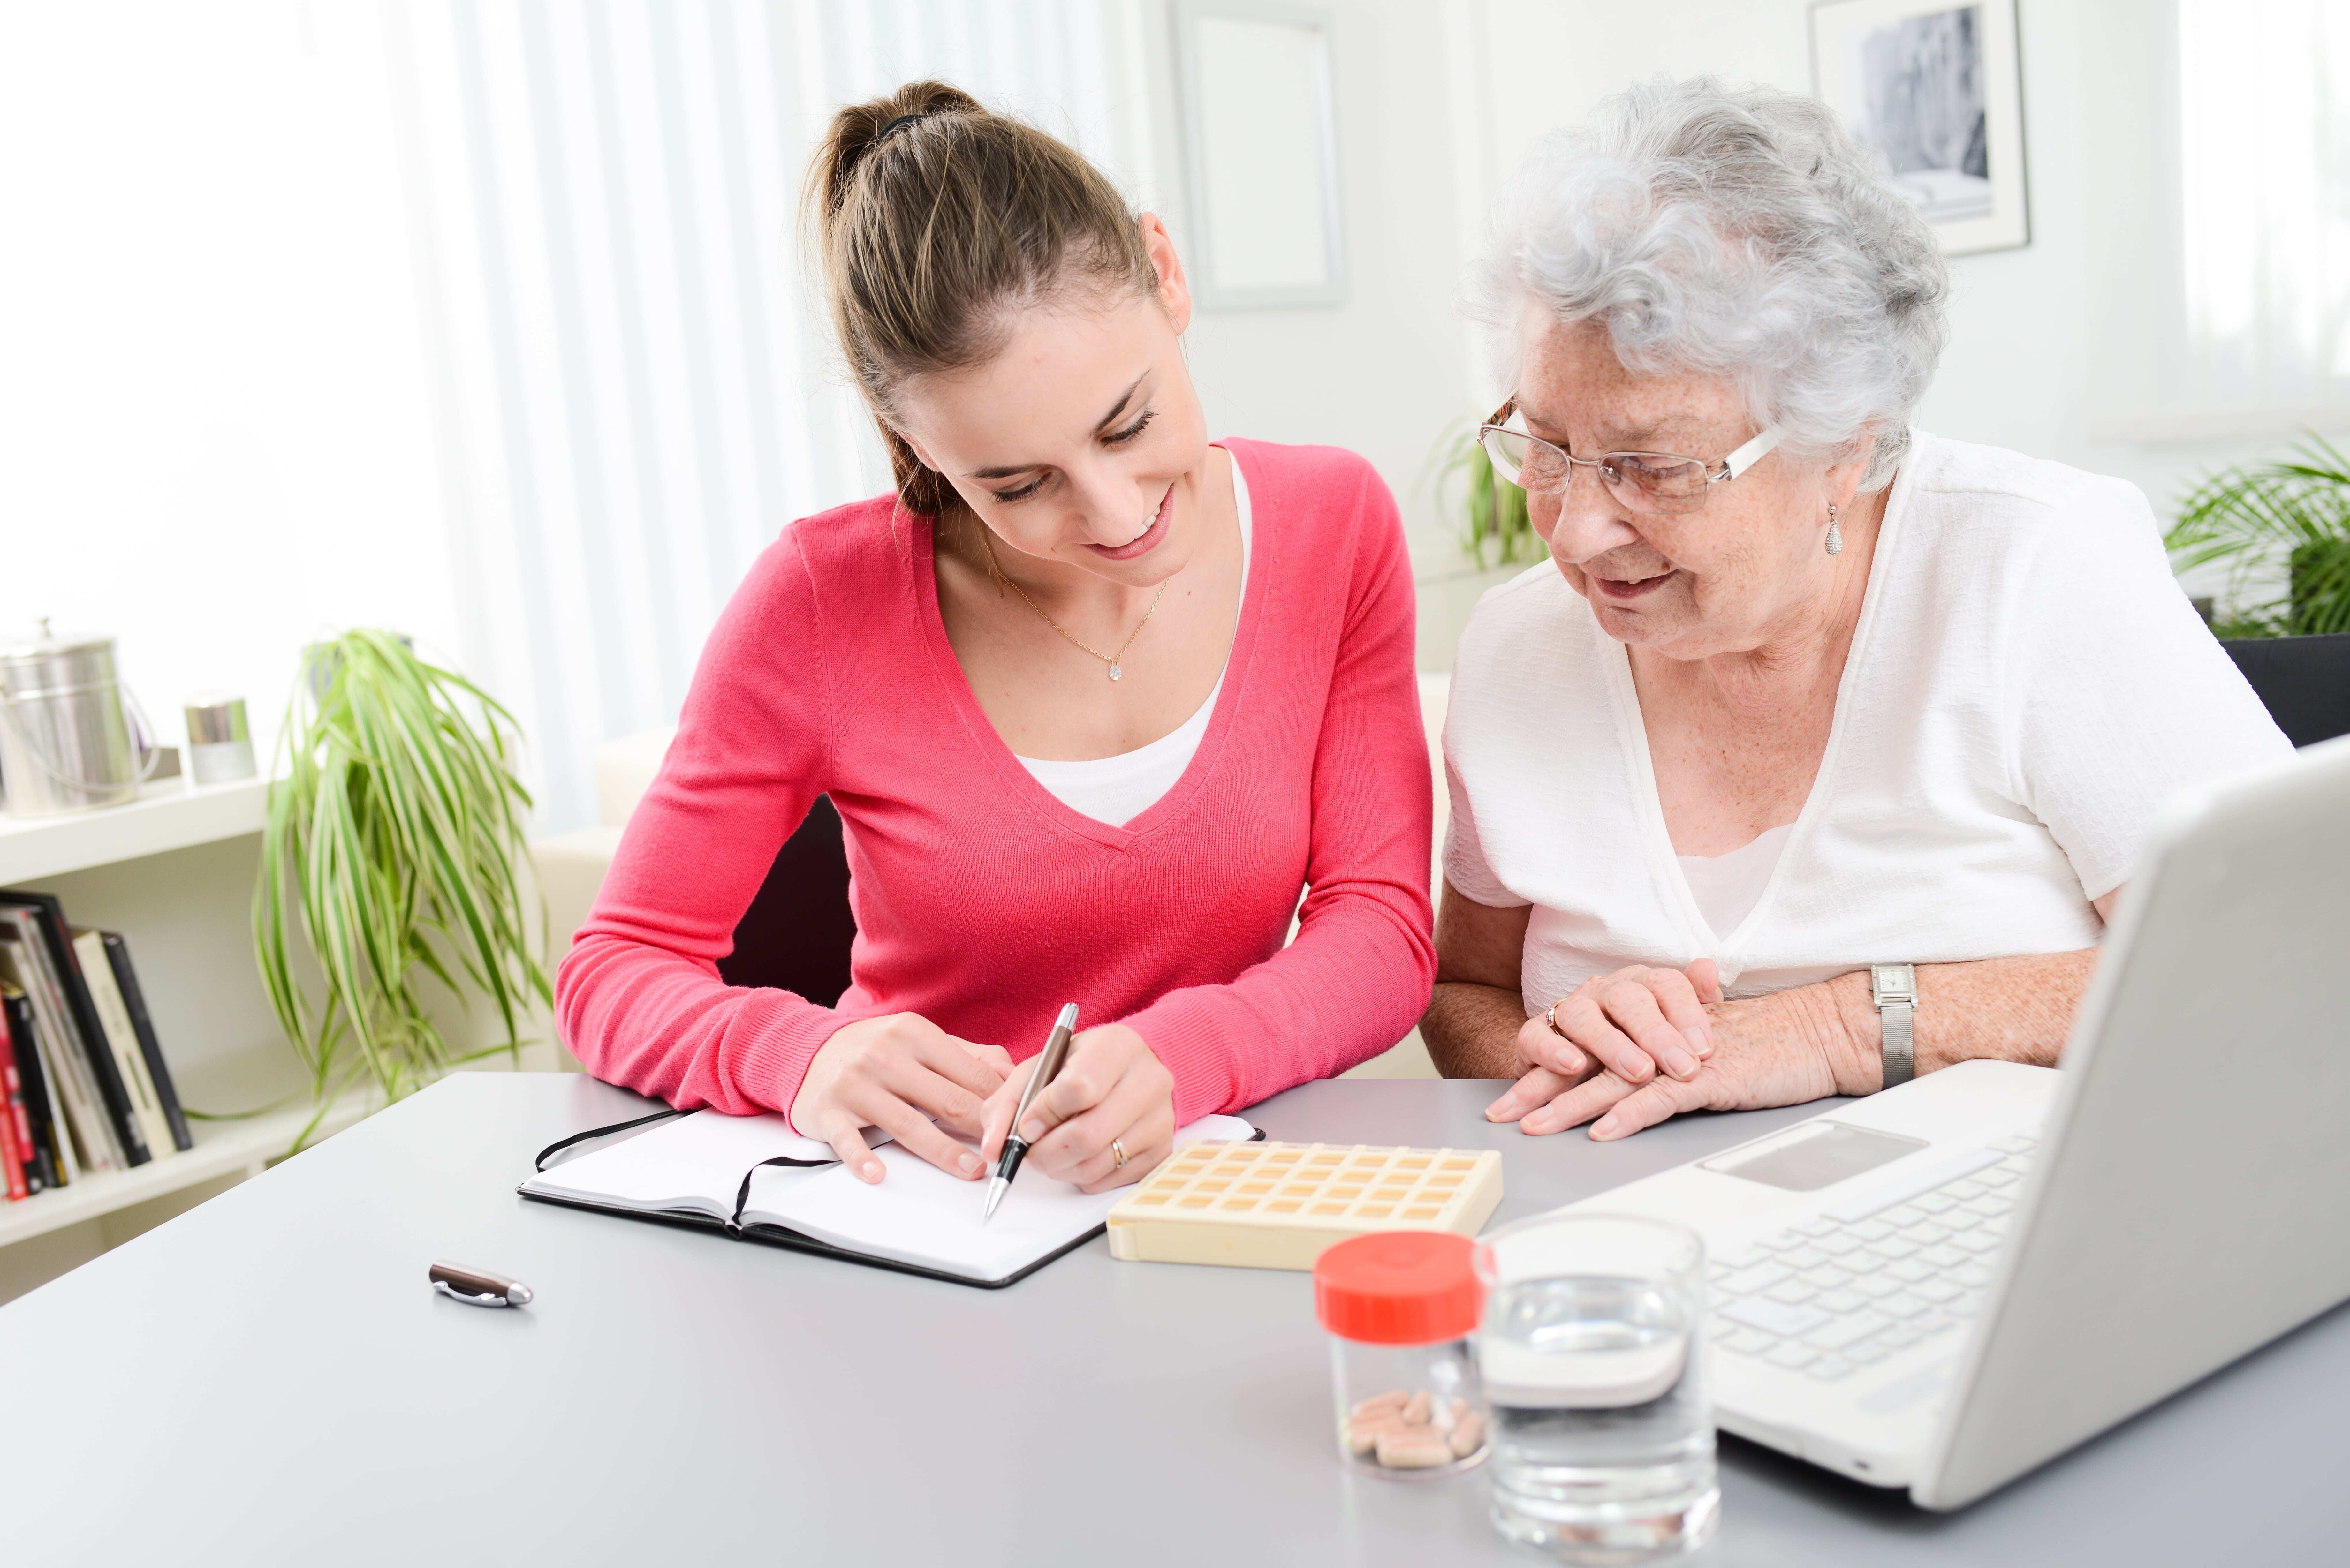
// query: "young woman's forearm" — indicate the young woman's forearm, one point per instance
point(1472, 1031)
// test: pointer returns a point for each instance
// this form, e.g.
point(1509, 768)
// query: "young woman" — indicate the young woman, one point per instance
point(1094, 697)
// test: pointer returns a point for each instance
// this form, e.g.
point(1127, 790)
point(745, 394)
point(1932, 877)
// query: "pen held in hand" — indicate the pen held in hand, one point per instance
point(1047, 1068)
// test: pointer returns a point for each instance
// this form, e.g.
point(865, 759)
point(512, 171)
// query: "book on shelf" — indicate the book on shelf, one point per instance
point(84, 1087)
point(47, 1120)
point(150, 1050)
point(28, 1167)
point(64, 1011)
point(85, 1136)
point(12, 1152)
point(122, 1038)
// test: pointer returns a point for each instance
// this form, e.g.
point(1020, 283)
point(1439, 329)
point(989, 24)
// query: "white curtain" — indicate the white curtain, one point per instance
point(630, 388)
point(2264, 120)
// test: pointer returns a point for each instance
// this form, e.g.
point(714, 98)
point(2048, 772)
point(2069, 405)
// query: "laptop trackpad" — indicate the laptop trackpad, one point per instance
point(1814, 1154)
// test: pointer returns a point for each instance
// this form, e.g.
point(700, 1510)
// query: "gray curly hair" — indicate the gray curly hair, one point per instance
point(1737, 233)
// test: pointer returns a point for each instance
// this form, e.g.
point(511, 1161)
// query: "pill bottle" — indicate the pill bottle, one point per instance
point(1400, 1307)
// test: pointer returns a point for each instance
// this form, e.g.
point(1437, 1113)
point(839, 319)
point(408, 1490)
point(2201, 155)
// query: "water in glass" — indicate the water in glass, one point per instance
point(1591, 1358)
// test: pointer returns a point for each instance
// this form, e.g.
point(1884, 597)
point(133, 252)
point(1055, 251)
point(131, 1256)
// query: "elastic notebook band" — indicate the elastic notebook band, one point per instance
point(562, 1143)
point(742, 1193)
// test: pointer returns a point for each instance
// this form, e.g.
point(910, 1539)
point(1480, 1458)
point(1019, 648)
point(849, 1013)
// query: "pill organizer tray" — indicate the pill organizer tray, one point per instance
point(1278, 1205)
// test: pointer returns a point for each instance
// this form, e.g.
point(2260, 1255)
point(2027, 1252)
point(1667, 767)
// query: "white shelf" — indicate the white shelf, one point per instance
point(222, 1148)
point(172, 814)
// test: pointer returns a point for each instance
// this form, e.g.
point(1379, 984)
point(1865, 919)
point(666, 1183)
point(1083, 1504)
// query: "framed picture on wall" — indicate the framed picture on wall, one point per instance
point(1935, 91)
point(1260, 153)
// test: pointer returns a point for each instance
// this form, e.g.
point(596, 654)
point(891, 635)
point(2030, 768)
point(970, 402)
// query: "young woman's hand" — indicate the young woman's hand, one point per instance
point(1112, 1095)
point(897, 1072)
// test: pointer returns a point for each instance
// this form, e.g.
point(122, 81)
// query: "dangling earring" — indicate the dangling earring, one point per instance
point(1836, 534)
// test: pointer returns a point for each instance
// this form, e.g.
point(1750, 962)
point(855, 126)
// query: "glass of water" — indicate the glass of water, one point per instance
point(1592, 1352)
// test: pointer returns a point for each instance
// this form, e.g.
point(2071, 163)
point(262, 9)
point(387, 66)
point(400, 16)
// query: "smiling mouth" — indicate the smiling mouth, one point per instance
point(1621, 589)
point(1142, 543)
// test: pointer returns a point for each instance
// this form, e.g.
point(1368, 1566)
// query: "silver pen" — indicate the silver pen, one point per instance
point(1047, 1068)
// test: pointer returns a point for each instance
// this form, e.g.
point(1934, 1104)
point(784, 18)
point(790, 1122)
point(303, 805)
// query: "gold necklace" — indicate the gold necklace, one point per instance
point(1115, 672)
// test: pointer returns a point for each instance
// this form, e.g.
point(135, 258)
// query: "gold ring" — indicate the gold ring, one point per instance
point(1551, 1017)
point(1118, 1149)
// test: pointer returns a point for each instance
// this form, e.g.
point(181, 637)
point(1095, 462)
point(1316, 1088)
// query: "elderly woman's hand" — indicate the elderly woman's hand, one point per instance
point(1629, 1023)
point(1765, 1054)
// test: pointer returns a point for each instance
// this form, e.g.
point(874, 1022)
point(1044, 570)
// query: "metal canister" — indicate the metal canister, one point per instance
point(220, 744)
point(64, 740)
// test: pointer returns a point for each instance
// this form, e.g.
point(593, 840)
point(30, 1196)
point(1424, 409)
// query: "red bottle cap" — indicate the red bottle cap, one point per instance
point(1398, 1287)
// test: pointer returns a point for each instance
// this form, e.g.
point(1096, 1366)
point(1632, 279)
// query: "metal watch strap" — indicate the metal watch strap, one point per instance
point(1893, 987)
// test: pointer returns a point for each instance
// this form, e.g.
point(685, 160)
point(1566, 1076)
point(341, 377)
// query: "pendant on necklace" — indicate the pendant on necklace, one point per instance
point(1116, 673)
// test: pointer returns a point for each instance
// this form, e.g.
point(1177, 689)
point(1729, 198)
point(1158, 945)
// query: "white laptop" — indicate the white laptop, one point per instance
point(1944, 1286)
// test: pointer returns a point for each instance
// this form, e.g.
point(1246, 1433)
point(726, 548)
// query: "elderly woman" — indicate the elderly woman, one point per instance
point(1819, 751)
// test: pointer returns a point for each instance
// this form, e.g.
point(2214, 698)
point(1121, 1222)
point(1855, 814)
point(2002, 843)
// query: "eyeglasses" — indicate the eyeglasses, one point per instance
point(1643, 480)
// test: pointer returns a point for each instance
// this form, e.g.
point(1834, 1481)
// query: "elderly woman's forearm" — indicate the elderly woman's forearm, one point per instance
point(1471, 1030)
point(2004, 1009)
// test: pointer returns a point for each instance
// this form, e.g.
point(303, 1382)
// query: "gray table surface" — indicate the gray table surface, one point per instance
point(269, 1379)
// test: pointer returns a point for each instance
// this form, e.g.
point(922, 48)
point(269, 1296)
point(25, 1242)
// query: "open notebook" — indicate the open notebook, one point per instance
point(755, 1179)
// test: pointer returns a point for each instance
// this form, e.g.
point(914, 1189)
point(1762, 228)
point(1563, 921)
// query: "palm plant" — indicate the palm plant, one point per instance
point(2252, 516)
point(1492, 508)
point(392, 836)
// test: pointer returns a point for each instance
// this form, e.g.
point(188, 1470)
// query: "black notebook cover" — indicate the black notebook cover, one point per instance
point(126, 980)
point(50, 917)
point(43, 1166)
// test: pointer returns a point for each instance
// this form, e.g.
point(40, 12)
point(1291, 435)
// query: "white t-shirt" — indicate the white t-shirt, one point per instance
point(2026, 686)
point(1118, 789)
point(1728, 886)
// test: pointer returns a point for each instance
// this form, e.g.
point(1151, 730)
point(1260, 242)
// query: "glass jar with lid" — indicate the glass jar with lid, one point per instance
point(1400, 1307)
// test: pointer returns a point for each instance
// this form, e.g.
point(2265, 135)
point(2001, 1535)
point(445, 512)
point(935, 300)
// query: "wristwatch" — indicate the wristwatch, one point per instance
point(1894, 987)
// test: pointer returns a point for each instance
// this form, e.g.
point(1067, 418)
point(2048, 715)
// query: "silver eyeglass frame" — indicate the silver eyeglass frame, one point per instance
point(1736, 463)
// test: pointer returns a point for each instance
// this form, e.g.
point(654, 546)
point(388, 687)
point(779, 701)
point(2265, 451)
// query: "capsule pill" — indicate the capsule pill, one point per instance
point(1380, 1404)
point(1468, 1435)
point(1421, 1449)
point(1421, 1408)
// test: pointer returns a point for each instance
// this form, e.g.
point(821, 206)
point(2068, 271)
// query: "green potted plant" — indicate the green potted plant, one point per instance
point(2259, 516)
point(1491, 509)
point(393, 835)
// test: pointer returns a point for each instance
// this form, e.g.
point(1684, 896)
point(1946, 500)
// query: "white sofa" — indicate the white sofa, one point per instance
point(571, 866)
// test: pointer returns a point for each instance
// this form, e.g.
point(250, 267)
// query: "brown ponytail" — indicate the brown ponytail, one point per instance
point(934, 219)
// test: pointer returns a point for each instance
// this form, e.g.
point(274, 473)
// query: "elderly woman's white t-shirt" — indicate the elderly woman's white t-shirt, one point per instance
point(2027, 685)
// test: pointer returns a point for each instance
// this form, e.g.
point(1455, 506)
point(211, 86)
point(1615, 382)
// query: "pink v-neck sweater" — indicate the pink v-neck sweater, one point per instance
point(983, 903)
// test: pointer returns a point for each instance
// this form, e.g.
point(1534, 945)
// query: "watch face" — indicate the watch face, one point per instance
point(1892, 983)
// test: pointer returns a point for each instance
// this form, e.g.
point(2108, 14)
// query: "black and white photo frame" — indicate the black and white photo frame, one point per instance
point(1935, 89)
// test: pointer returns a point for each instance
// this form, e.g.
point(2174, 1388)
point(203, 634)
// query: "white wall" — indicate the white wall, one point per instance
point(181, 281)
point(1386, 371)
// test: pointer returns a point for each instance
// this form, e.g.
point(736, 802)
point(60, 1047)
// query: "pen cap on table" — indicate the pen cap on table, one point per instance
point(1400, 1306)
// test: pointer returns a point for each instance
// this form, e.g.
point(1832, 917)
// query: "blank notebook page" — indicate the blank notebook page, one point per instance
point(918, 1214)
point(694, 1162)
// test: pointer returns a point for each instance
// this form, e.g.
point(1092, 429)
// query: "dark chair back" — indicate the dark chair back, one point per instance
point(796, 934)
point(2303, 682)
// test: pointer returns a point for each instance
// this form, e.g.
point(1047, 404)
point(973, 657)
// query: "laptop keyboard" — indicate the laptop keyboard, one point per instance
point(1879, 1272)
